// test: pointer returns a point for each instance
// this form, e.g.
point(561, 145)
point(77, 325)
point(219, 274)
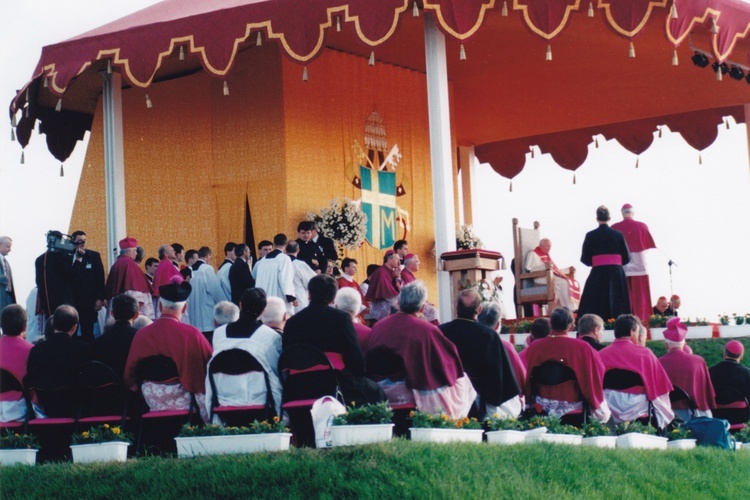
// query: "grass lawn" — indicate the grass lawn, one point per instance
point(400, 469)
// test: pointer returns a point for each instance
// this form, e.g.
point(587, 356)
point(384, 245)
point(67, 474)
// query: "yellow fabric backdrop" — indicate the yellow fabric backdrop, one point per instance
point(191, 160)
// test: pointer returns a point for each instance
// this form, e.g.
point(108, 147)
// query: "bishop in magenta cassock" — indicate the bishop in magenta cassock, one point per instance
point(126, 277)
point(384, 286)
point(639, 239)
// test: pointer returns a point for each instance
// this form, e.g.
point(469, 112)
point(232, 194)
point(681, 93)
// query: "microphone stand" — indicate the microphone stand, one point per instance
point(670, 264)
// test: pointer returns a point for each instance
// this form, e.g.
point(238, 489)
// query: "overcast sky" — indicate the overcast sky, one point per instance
point(697, 213)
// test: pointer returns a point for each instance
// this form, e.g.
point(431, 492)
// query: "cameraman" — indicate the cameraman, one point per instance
point(54, 275)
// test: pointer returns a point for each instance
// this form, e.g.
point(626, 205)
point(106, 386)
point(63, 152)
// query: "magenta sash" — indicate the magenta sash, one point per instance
point(608, 259)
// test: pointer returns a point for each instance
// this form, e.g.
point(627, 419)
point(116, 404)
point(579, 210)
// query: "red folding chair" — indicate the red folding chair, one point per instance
point(383, 364)
point(238, 362)
point(554, 380)
point(11, 390)
point(631, 382)
point(732, 406)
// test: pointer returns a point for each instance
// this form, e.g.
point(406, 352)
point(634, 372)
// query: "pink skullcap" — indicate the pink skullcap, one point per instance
point(128, 242)
point(626, 206)
point(408, 256)
point(176, 279)
point(388, 253)
point(675, 331)
point(675, 296)
point(734, 347)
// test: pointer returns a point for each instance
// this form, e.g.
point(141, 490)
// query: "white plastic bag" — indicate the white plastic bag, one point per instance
point(323, 412)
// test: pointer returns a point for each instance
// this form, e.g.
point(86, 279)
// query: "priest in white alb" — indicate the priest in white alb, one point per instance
point(274, 273)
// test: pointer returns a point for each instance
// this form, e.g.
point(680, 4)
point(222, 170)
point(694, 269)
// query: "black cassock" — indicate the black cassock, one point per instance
point(606, 289)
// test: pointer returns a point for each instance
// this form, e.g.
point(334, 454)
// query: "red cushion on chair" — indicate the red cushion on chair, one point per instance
point(11, 425)
point(165, 414)
point(102, 419)
point(315, 368)
point(299, 403)
point(734, 404)
point(52, 421)
point(403, 406)
point(226, 409)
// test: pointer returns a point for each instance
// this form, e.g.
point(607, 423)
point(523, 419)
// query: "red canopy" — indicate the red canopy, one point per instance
point(506, 95)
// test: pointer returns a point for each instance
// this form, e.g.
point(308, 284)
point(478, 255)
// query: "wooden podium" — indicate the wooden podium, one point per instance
point(468, 266)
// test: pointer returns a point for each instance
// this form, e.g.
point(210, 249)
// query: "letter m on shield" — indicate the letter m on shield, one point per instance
point(379, 203)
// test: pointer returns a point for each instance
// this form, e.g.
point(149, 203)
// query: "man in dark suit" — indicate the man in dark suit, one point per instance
point(113, 346)
point(7, 290)
point(484, 358)
point(326, 245)
point(53, 280)
point(240, 276)
point(87, 280)
point(331, 331)
point(308, 250)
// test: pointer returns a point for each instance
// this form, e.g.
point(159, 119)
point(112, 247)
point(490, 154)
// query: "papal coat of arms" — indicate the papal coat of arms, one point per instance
point(376, 178)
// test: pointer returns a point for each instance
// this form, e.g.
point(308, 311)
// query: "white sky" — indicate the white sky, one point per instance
point(696, 213)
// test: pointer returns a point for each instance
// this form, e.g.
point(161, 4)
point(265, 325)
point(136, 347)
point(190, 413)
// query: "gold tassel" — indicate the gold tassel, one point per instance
point(226, 88)
point(674, 11)
point(46, 82)
point(338, 23)
point(637, 159)
point(511, 186)
point(660, 132)
point(259, 40)
point(304, 74)
point(58, 107)
point(462, 53)
point(574, 178)
point(13, 122)
point(714, 26)
point(371, 62)
point(596, 142)
point(109, 66)
point(675, 61)
point(548, 55)
point(727, 123)
point(149, 105)
point(28, 94)
point(415, 9)
point(26, 110)
point(700, 158)
point(505, 9)
point(62, 172)
point(532, 151)
point(12, 136)
point(182, 53)
point(503, 266)
point(719, 75)
point(23, 157)
point(591, 9)
point(631, 51)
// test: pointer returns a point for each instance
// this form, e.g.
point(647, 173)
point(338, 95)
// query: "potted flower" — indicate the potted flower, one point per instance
point(215, 439)
point(737, 326)
point(440, 428)
point(680, 438)
point(699, 328)
point(598, 434)
point(638, 435)
point(101, 443)
point(17, 448)
point(557, 432)
point(363, 425)
point(504, 430)
point(466, 239)
point(608, 335)
point(657, 324)
point(743, 439)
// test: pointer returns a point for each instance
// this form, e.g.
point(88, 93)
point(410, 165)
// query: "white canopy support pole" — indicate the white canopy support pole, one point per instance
point(440, 156)
point(466, 161)
point(114, 163)
point(747, 124)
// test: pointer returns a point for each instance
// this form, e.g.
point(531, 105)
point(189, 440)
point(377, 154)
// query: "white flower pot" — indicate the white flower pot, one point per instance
point(641, 441)
point(223, 445)
point(506, 437)
point(446, 435)
point(23, 456)
point(700, 332)
point(681, 444)
point(531, 433)
point(349, 435)
point(114, 451)
point(558, 438)
point(733, 331)
point(600, 441)
point(520, 338)
point(608, 336)
point(657, 333)
point(742, 447)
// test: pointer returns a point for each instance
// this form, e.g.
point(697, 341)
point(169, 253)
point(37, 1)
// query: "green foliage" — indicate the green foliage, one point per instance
point(255, 427)
point(696, 322)
point(398, 469)
point(635, 427)
point(11, 440)
point(553, 425)
point(594, 428)
point(102, 434)
point(376, 413)
point(609, 324)
point(711, 350)
point(679, 433)
point(658, 321)
point(441, 420)
point(503, 424)
point(743, 435)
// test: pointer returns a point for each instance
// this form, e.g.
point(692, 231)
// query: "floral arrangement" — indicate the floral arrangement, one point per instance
point(424, 420)
point(102, 434)
point(484, 288)
point(697, 322)
point(376, 413)
point(466, 239)
point(739, 319)
point(679, 432)
point(342, 221)
point(518, 326)
point(635, 427)
point(658, 321)
point(14, 441)
point(594, 428)
point(553, 425)
point(609, 324)
point(495, 423)
point(743, 435)
point(255, 427)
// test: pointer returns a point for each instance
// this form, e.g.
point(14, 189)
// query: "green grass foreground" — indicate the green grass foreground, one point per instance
point(400, 469)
